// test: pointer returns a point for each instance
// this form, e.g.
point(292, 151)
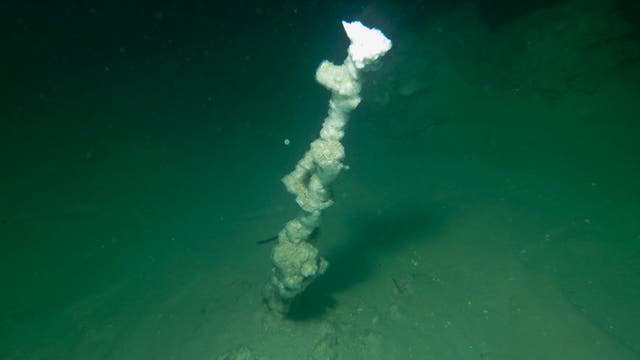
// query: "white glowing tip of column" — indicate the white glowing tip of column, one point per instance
point(367, 44)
